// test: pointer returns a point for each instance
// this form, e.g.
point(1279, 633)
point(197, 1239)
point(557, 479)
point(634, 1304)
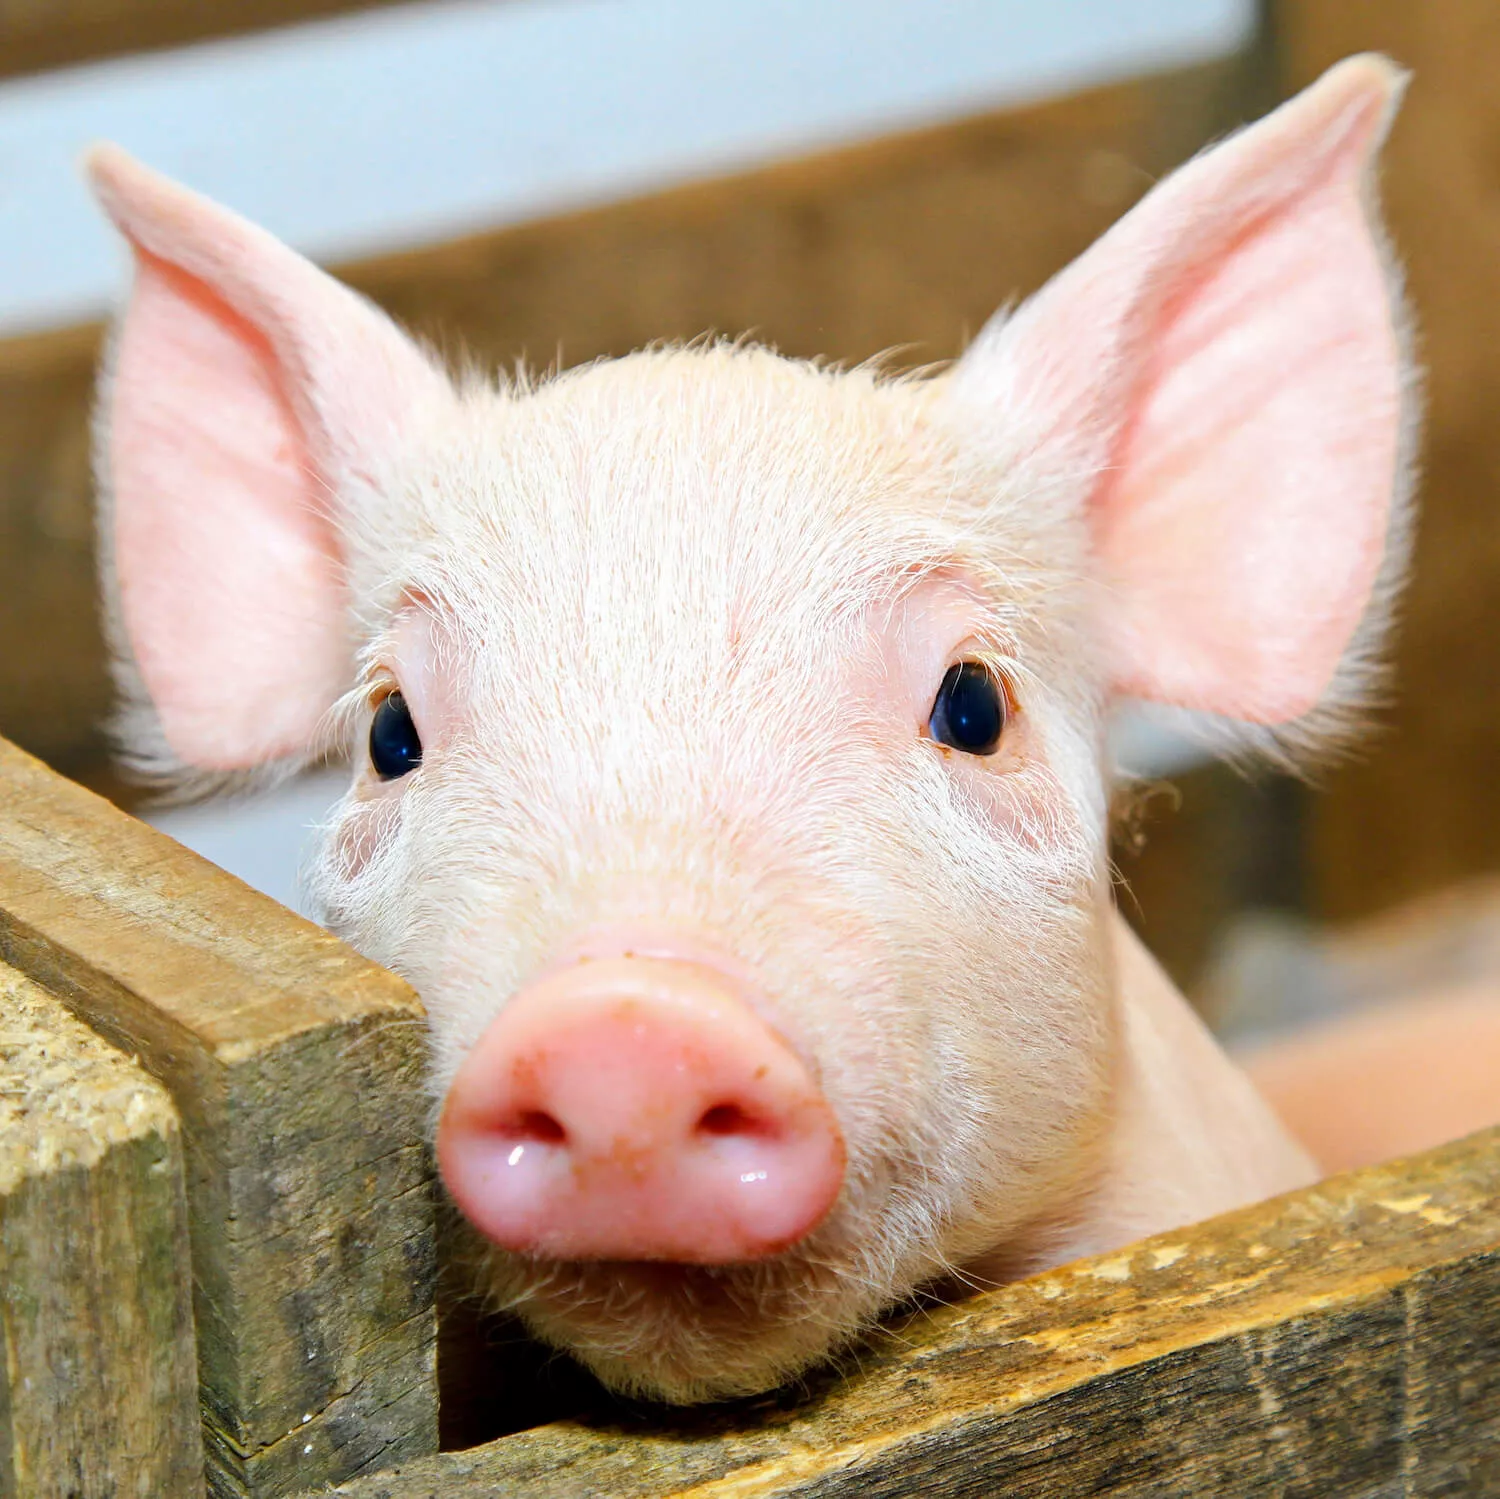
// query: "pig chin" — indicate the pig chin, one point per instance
point(686, 1333)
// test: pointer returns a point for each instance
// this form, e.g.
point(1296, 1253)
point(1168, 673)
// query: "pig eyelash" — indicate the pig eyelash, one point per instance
point(1005, 672)
point(1012, 677)
point(347, 719)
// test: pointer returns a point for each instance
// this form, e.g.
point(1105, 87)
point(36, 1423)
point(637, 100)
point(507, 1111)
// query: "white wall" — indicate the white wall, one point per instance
point(404, 125)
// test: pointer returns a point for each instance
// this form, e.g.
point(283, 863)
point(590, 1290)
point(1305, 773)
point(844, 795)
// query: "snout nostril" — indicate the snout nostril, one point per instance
point(537, 1127)
point(638, 1110)
point(729, 1119)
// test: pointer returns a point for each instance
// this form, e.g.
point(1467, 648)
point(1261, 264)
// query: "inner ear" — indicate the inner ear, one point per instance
point(1246, 515)
point(230, 586)
point(1220, 381)
point(252, 410)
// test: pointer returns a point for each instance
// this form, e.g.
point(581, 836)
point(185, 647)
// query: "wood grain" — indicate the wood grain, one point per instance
point(99, 1375)
point(1344, 1340)
point(296, 1068)
point(39, 34)
point(908, 241)
point(1422, 810)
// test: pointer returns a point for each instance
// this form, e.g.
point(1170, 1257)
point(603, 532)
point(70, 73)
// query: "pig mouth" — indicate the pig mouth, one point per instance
point(685, 1333)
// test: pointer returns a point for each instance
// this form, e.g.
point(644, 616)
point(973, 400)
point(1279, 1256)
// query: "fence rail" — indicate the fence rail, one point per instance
point(295, 1068)
point(1339, 1341)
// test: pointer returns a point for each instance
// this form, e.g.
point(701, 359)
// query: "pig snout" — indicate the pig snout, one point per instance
point(637, 1109)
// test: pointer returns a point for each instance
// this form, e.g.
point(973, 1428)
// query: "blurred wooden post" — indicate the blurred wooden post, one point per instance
point(1422, 808)
point(296, 1068)
point(99, 1376)
point(36, 34)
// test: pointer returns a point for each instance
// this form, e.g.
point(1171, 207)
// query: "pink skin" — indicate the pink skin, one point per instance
point(1397, 1079)
point(635, 1109)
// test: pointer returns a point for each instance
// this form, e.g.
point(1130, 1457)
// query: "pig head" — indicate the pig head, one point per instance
point(728, 732)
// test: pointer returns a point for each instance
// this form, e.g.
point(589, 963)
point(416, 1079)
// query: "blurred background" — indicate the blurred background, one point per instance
point(561, 179)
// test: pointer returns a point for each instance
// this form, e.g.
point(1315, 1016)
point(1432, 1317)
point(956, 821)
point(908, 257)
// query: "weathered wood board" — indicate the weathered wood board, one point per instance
point(99, 1374)
point(295, 1066)
point(1343, 1340)
point(911, 240)
point(37, 34)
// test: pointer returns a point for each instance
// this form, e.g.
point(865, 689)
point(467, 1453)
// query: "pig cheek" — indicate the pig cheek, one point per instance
point(1026, 997)
point(1024, 805)
point(367, 828)
point(469, 969)
point(826, 951)
point(1028, 810)
point(861, 979)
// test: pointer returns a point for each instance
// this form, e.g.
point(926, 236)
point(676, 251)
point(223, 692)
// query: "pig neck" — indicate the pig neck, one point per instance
point(1188, 1135)
point(1191, 1137)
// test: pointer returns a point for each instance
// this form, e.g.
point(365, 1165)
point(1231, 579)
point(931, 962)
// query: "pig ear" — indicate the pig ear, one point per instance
point(251, 404)
point(1224, 370)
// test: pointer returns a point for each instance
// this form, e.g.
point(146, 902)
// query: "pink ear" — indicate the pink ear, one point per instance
point(1226, 363)
point(251, 402)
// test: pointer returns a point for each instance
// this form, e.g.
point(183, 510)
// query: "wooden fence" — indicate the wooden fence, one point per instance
point(294, 1134)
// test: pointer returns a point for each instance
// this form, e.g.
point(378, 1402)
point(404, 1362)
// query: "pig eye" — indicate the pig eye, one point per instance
point(969, 711)
point(394, 745)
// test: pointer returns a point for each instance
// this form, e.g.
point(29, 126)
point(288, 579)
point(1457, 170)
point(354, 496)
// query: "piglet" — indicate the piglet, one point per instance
point(728, 732)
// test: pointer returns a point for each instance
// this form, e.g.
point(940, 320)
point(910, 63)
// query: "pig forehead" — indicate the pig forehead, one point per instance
point(728, 452)
point(678, 490)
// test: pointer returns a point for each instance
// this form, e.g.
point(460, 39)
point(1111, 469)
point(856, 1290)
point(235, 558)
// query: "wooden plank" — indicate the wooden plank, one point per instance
point(1422, 810)
point(99, 1375)
point(54, 687)
point(38, 34)
point(912, 240)
point(1344, 1340)
point(296, 1067)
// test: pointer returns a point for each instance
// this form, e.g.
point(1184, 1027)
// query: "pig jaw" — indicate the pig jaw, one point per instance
point(688, 1333)
point(1188, 1135)
point(916, 1208)
point(1192, 1137)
